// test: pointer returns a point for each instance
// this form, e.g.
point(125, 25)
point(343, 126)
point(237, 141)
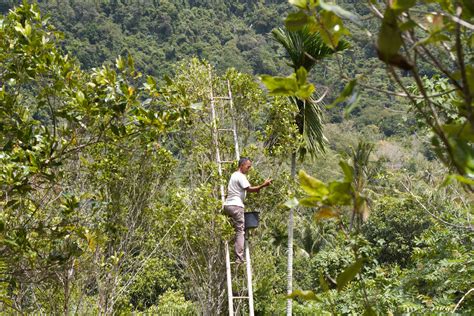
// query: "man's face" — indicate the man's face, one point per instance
point(245, 167)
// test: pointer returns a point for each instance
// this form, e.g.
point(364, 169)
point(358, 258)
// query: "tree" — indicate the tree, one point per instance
point(304, 49)
point(408, 46)
point(405, 44)
point(55, 120)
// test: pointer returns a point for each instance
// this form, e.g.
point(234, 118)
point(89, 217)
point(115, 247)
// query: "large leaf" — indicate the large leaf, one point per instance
point(340, 193)
point(461, 179)
point(462, 131)
point(346, 92)
point(286, 86)
point(326, 212)
point(331, 28)
point(305, 90)
point(402, 5)
point(390, 41)
point(305, 295)
point(299, 3)
point(311, 185)
point(322, 282)
point(296, 21)
point(349, 274)
point(293, 85)
point(312, 201)
point(390, 38)
point(348, 171)
point(339, 11)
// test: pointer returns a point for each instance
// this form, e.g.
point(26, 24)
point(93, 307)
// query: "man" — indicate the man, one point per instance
point(234, 204)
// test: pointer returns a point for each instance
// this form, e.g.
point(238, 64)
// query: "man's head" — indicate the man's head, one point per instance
point(244, 165)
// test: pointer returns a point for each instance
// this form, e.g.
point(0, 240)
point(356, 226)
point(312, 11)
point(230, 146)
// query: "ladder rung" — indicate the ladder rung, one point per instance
point(226, 129)
point(222, 98)
point(226, 161)
point(239, 297)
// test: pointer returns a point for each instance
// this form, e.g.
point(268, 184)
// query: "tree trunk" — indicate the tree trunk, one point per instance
point(289, 302)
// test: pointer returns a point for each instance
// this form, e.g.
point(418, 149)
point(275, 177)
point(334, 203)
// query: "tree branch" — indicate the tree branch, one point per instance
point(433, 215)
point(462, 68)
point(462, 298)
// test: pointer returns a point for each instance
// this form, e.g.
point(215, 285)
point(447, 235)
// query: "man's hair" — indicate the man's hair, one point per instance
point(243, 160)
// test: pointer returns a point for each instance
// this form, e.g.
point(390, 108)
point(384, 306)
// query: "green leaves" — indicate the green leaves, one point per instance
point(336, 9)
point(340, 193)
point(312, 186)
point(349, 274)
point(347, 93)
point(348, 171)
point(296, 21)
point(291, 203)
point(24, 30)
point(331, 28)
point(280, 85)
point(325, 212)
point(305, 295)
point(326, 197)
point(299, 3)
point(402, 5)
point(120, 63)
point(293, 85)
point(390, 39)
point(326, 21)
point(56, 122)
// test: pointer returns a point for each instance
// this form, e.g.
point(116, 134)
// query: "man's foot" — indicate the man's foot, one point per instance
point(239, 261)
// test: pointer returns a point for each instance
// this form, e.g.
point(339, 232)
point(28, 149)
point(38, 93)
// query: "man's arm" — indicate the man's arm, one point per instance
point(259, 187)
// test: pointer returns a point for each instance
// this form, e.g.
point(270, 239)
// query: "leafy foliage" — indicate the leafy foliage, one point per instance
point(109, 198)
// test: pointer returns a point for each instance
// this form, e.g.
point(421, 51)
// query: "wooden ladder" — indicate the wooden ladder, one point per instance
point(227, 100)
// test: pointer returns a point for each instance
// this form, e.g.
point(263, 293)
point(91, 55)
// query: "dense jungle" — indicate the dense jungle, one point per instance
point(361, 113)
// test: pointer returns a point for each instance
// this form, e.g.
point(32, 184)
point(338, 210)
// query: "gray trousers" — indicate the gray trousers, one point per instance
point(237, 215)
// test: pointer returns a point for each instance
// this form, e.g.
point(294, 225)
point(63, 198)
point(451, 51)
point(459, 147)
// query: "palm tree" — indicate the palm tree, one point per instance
point(304, 49)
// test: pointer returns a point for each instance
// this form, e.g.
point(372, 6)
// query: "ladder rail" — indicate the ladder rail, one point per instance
point(230, 299)
point(249, 276)
point(234, 123)
point(215, 139)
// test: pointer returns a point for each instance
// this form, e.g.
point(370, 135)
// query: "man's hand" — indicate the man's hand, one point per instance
point(266, 183)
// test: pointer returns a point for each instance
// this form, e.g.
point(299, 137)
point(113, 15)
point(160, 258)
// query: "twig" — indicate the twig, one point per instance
point(460, 301)
point(404, 95)
point(322, 97)
point(374, 9)
point(459, 21)
point(462, 67)
point(433, 215)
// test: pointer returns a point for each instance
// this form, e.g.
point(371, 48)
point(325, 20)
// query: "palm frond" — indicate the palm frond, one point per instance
point(310, 125)
point(313, 128)
point(305, 48)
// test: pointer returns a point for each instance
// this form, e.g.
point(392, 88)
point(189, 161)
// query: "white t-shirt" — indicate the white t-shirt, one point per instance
point(236, 190)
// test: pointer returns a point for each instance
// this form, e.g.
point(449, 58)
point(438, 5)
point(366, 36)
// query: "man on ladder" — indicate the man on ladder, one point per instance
point(234, 204)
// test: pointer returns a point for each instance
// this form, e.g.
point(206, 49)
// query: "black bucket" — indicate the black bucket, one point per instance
point(251, 219)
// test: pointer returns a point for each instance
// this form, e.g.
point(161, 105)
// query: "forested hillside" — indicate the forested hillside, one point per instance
point(360, 112)
point(159, 33)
